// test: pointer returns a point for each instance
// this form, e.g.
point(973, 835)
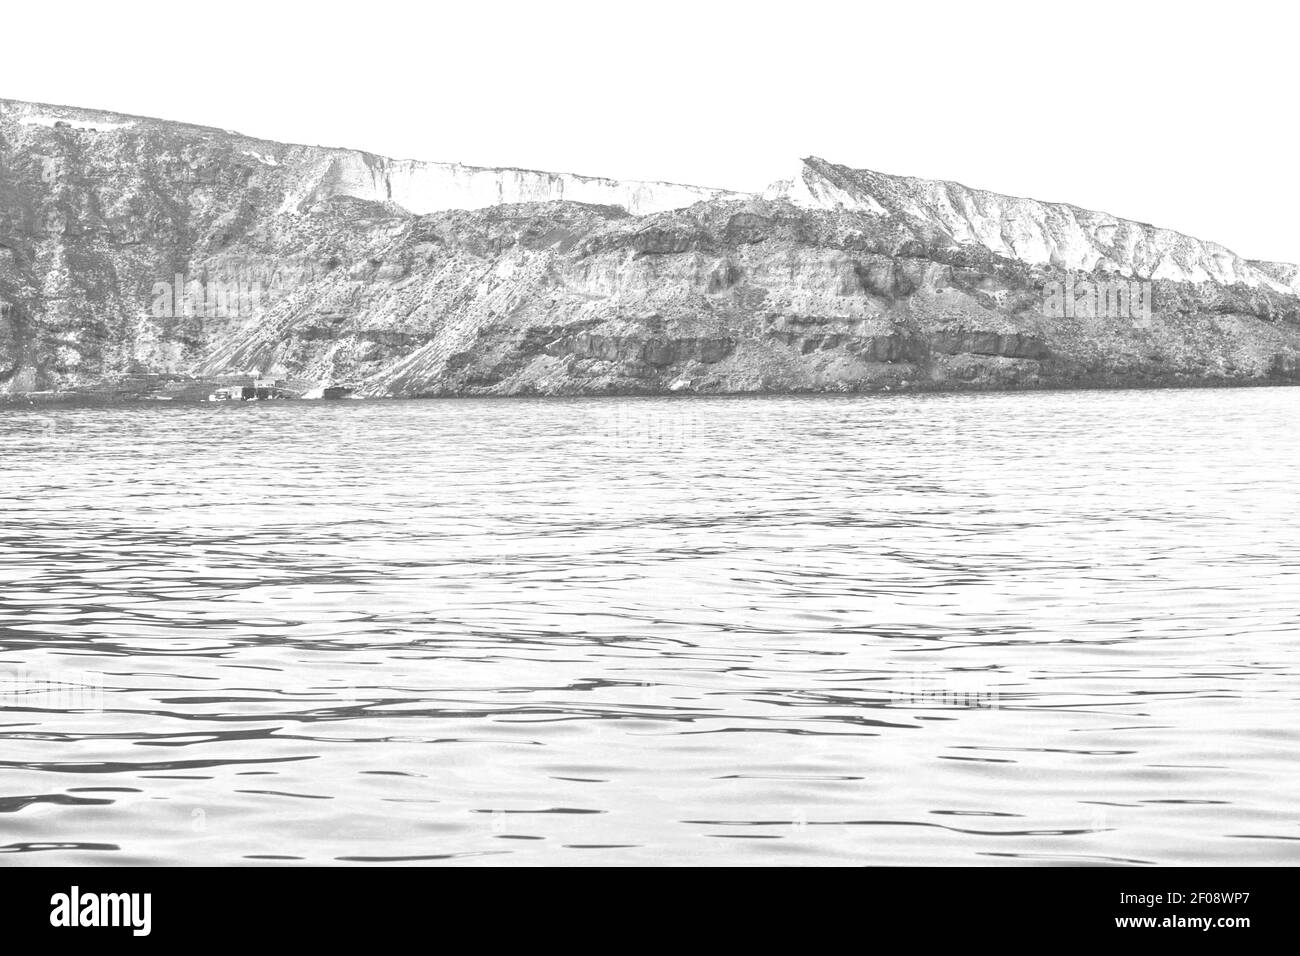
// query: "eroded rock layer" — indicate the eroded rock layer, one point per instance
point(140, 256)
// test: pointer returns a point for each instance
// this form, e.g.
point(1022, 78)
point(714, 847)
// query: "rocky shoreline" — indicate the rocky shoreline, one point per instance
point(101, 397)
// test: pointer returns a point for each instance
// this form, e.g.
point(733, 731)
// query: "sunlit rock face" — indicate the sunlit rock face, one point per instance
point(1038, 233)
point(422, 187)
point(143, 257)
point(1284, 273)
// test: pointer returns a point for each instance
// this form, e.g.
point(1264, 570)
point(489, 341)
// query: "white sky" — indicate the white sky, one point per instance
point(1183, 115)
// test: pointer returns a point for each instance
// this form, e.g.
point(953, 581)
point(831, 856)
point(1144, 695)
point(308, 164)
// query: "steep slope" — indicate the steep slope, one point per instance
point(721, 297)
point(1035, 232)
point(1285, 274)
point(305, 174)
point(429, 187)
point(144, 257)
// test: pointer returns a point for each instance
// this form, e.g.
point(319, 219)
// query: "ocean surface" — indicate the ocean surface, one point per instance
point(1052, 628)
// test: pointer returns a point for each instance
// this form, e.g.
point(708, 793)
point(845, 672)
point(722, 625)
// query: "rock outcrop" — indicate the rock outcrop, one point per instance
point(140, 256)
point(1038, 233)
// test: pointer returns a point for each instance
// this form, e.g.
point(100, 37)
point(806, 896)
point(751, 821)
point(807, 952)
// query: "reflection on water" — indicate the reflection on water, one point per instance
point(1047, 628)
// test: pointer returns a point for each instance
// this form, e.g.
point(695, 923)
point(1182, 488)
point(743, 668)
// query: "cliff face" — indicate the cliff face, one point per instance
point(140, 254)
point(1034, 232)
point(421, 187)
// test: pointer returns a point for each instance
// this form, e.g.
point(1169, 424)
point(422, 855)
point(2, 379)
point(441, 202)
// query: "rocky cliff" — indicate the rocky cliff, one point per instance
point(142, 256)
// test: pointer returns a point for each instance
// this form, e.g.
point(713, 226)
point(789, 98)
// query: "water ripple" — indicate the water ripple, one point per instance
point(1027, 629)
